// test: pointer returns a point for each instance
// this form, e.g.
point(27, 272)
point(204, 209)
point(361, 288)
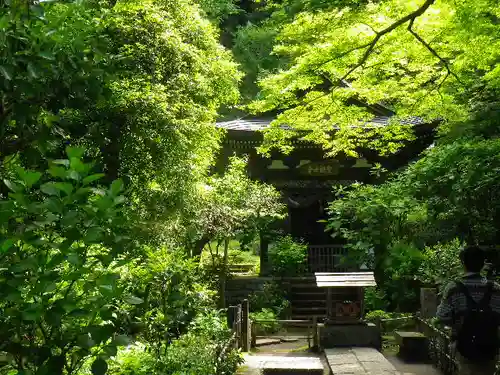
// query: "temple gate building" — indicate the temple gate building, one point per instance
point(306, 178)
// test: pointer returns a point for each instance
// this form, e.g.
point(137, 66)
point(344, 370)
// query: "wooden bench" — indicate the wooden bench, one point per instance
point(412, 346)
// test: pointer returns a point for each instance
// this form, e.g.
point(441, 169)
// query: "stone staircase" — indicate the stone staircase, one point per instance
point(307, 300)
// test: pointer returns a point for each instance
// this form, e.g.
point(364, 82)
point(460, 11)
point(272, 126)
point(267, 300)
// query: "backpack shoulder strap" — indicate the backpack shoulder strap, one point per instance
point(470, 301)
point(485, 301)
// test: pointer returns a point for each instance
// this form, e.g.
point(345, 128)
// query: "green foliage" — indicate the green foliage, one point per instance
point(441, 263)
point(393, 320)
point(171, 294)
point(133, 360)
point(372, 316)
point(141, 98)
point(60, 69)
point(252, 48)
point(233, 205)
point(288, 257)
point(64, 243)
point(219, 10)
point(265, 321)
point(270, 297)
point(197, 352)
point(418, 58)
point(374, 299)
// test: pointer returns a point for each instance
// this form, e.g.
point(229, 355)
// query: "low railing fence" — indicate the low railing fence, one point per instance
point(438, 340)
point(439, 348)
point(286, 329)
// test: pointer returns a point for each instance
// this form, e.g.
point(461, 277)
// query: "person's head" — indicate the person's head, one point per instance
point(472, 258)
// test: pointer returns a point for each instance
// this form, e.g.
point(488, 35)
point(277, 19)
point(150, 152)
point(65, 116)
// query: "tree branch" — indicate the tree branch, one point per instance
point(409, 17)
point(433, 51)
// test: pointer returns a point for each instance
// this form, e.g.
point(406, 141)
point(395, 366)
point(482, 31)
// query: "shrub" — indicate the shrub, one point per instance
point(134, 360)
point(172, 292)
point(287, 257)
point(441, 263)
point(63, 244)
point(199, 351)
point(271, 297)
point(267, 326)
point(375, 299)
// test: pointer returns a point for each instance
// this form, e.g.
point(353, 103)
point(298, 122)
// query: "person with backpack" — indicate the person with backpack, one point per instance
point(471, 307)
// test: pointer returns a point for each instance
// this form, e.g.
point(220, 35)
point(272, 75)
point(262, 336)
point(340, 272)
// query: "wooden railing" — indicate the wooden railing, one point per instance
point(311, 334)
point(239, 321)
point(326, 258)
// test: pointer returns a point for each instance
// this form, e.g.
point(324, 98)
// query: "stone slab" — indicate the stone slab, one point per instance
point(264, 342)
point(350, 335)
point(368, 361)
point(282, 362)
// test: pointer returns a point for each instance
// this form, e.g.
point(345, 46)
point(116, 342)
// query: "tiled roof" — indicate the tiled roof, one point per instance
point(255, 124)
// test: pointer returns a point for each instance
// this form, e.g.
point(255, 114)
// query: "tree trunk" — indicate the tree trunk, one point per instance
point(199, 246)
point(222, 277)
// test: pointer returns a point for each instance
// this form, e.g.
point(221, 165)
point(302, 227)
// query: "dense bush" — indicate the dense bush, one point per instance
point(172, 293)
point(197, 352)
point(375, 299)
point(64, 244)
point(271, 296)
point(288, 257)
point(441, 263)
point(265, 321)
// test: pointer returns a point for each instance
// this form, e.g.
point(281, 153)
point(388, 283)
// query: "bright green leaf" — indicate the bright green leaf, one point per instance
point(116, 187)
point(94, 177)
point(75, 152)
point(6, 245)
point(133, 300)
point(65, 187)
point(48, 55)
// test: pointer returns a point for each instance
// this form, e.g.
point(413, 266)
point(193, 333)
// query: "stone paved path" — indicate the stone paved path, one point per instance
point(359, 361)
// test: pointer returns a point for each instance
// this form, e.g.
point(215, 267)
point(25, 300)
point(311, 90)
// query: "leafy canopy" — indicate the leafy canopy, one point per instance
point(418, 58)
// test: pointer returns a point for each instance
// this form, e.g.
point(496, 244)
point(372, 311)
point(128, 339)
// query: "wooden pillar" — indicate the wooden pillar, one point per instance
point(329, 303)
point(246, 329)
point(315, 333)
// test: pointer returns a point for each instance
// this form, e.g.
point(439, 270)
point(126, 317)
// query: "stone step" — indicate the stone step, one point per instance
point(282, 365)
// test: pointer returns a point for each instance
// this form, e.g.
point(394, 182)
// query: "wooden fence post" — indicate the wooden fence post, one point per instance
point(315, 333)
point(245, 322)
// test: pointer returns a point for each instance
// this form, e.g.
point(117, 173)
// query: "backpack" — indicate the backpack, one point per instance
point(477, 338)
